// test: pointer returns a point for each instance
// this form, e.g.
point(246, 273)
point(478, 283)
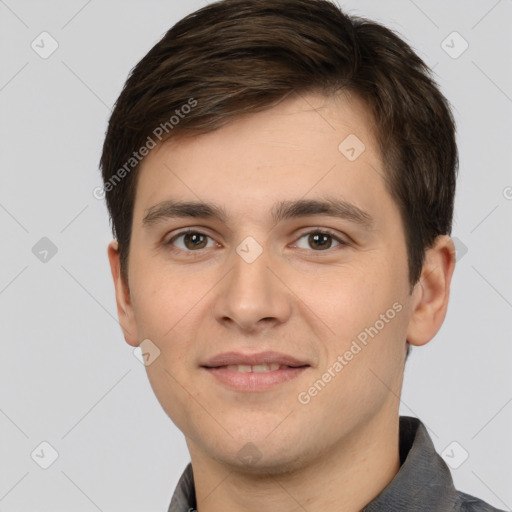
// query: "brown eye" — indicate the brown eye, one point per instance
point(194, 241)
point(191, 241)
point(319, 241)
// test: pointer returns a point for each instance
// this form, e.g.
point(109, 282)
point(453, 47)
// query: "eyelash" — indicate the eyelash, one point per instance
point(342, 243)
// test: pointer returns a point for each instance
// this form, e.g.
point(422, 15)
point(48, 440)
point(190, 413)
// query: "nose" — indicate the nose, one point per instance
point(252, 297)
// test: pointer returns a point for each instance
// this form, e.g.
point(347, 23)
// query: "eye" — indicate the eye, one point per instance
point(191, 241)
point(319, 240)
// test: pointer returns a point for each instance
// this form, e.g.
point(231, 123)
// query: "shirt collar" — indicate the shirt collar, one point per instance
point(423, 482)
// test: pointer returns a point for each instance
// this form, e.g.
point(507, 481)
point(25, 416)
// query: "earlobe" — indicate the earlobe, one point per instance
point(431, 293)
point(123, 299)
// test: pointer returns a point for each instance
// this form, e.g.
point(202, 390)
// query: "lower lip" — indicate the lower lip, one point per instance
point(254, 381)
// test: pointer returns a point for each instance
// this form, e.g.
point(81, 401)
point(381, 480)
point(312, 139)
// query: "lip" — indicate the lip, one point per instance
point(267, 357)
point(253, 381)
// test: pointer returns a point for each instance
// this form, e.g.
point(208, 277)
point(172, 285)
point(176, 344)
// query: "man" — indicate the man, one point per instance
point(280, 179)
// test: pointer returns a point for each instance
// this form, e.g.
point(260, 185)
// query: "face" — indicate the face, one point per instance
point(289, 243)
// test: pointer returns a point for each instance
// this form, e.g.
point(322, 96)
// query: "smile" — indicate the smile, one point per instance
point(257, 378)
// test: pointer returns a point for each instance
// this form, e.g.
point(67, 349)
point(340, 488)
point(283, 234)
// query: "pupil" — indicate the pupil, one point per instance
point(194, 240)
point(321, 240)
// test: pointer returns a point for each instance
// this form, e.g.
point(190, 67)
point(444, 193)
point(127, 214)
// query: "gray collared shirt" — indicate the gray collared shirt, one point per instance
point(423, 483)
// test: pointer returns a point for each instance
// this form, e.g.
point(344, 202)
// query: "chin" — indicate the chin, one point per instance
point(264, 458)
point(265, 466)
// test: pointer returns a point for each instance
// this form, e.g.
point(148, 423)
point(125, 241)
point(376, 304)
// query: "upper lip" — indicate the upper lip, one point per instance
point(268, 357)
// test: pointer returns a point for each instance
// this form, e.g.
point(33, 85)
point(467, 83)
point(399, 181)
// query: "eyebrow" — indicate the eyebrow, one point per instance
point(283, 210)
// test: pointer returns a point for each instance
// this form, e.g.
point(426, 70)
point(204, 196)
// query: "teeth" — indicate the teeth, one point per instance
point(261, 368)
point(258, 368)
point(243, 368)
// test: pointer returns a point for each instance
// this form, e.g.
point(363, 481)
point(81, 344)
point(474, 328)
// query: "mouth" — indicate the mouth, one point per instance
point(262, 361)
point(254, 372)
point(254, 378)
point(257, 368)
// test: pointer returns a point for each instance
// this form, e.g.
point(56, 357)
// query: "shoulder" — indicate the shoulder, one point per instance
point(468, 503)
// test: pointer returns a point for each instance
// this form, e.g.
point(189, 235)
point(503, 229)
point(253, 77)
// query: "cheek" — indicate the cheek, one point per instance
point(347, 298)
point(163, 297)
point(362, 314)
point(167, 315)
point(170, 308)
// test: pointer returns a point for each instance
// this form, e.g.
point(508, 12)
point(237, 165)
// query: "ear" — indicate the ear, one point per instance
point(431, 292)
point(123, 299)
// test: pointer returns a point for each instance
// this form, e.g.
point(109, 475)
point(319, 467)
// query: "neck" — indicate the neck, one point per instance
point(345, 478)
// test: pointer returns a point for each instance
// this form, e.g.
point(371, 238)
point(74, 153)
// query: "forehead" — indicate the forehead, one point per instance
point(308, 144)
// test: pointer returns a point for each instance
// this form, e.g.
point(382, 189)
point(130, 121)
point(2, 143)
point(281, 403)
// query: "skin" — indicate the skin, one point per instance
point(338, 451)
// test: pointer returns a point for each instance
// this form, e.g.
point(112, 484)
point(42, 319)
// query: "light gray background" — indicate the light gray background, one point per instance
point(67, 376)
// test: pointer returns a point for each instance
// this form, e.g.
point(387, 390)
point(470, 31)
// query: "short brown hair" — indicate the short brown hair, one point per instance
point(236, 57)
